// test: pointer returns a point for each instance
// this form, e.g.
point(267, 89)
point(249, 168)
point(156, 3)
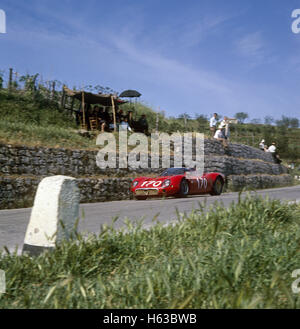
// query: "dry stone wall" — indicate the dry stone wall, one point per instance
point(38, 161)
point(22, 168)
point(19, 192)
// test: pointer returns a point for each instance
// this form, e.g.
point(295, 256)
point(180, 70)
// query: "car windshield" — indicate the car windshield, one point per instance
point(174, 171)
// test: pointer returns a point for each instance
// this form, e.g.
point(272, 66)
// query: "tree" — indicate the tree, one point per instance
point(241, 116)
point(201, 119)
point(255, 121)
point(1, 80)
point(184, 116)
point(30, 81)
point(287, 122)
point(284, 122)
point(104, 90)
point(268, 120)
point(294, 123)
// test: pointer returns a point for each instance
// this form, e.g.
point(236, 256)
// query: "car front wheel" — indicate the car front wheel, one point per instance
point(217, 186)
point(183, 189)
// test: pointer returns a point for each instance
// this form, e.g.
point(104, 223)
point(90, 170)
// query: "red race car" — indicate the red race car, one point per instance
point(178, 182)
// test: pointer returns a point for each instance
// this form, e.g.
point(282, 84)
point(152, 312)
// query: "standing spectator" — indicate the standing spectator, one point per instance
point(119, 116)
point(272, 150)
point(143, 125)
point(101, 118)
point(262, 145)
point(213, 124)
point(225, 122)
point(105, 115)
point(111, 124)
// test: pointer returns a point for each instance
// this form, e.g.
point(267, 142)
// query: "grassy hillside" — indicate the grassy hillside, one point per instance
point(31, 117)
point(35, 121)
point(240, 257)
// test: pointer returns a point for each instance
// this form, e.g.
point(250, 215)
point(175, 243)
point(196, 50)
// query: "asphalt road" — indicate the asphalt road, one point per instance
point(13, 223)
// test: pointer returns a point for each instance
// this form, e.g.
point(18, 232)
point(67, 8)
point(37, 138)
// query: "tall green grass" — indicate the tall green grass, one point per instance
point(236, 257)
point(33, 110)
point(27, 120)
point(39, 135)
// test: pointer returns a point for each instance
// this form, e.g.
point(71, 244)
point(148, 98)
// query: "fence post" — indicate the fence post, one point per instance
point(156, 123)
point(63, 98)
point(53, 91)
point(10, 79)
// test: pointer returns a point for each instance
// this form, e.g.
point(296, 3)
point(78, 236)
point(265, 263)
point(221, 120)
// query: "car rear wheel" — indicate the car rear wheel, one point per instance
point(217, 186)
point(184, 189)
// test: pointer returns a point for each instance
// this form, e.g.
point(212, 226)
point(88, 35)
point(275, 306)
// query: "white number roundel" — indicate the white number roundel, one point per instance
point(156, 184)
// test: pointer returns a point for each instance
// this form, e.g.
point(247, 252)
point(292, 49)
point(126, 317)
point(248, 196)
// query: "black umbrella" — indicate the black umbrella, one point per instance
point(130, 93)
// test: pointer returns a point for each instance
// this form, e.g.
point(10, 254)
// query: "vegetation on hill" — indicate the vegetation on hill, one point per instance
point(237, 257)
point(30, 113)
point(26, 119)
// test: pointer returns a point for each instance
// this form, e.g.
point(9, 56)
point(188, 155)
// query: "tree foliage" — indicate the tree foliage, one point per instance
point(287, 122)
point(269, 120)
point(241, 116)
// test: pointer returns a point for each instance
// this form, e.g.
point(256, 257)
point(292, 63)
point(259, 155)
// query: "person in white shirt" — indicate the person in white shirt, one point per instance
point(124, 125)
point(225, 123)
point(262, 145)
point(272, 148)
point(219, 135)
point(213, 124)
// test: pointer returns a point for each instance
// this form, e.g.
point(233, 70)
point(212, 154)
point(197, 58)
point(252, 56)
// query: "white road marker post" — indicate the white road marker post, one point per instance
point(2, 282)
point(54, 214)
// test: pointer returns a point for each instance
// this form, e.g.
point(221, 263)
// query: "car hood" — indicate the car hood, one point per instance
point(162, 178)
point(153, 182)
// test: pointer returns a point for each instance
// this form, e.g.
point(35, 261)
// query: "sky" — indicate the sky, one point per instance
point(197, 57)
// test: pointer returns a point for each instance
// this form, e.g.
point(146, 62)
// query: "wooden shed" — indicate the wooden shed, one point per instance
point(105, 100)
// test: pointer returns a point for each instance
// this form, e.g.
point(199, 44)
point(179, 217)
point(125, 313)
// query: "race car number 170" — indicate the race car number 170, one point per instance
point(152, 182)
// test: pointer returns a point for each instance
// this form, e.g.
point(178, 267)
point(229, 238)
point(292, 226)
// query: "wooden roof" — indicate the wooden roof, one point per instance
point(90, 98)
